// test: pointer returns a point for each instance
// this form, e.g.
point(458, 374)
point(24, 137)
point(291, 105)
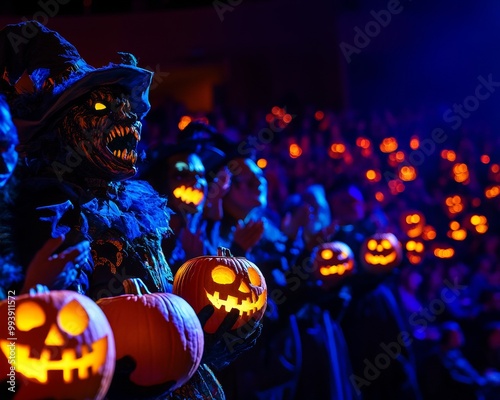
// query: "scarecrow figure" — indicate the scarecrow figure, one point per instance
point(79, 129)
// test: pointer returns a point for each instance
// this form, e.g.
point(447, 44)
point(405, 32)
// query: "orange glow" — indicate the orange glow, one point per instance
point(287, 118)
point(414, 143)
point(276, 110)
point(400, 156)
point(295, 150)
point(492, 191)
point(373, 176)
point(319, 115)
point(363, 142)
point(460, 173)
point(407, 173)
point(444, 252)
point(185, 120)
point(379, 196)
point(454, 225)
point(485, 159)
point(429, 233)
point(389, 145)
point(262, 163)
point(495, 168)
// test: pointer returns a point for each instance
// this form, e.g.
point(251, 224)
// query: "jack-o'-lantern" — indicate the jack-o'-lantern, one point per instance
point(415, 251)
point(381, 252)
point(456, 232)
point(443, 251)
point(226, 283)
point(412, 223)
point(186, 182)
point(59, 344)
point(332, 263)
point(476, 223)
point(162, 347)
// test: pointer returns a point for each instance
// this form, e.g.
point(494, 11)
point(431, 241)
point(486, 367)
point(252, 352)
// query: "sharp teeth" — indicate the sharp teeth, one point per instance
point(127, 129)
point(119, 153)
point(122, 131)
point(113, 135)
point(124, 154)
point(136, 135)
point(115, 153)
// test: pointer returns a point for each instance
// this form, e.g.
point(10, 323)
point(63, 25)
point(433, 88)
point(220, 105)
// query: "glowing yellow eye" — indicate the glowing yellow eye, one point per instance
point(29, 315)
point(326, 254)
point(223, 275)
point(386, 244)
point(372, 244)
point(254, 277)
point(99, 106)
point(73, 318)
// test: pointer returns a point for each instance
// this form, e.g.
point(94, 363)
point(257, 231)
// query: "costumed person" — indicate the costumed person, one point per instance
point(56, 271)
point(372, 315)
point(177, 171)
point(79, 130)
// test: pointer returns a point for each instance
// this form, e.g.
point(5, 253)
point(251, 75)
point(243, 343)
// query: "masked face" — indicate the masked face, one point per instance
point(187, 186)
point(248, 188)
point(8, 142)
point(104, 130)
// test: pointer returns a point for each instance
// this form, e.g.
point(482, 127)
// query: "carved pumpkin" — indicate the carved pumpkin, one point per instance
point(381, 252)
point(415, 251)
point(412, 223)
point(159, 341)
point(332, 262)
point(226, 283)
point(61, 346)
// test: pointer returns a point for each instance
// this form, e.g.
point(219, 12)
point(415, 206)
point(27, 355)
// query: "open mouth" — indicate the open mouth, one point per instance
point(86, 363)
point(335, 269)
point(189, 195)
point(380, 259)
point(122, 142)
point(247, 306)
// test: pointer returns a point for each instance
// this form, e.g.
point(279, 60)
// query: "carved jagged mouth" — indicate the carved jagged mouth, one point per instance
point(87, 364)
point(335, 269)
point(247, 306)
point(122, 142)
point(189, 195)
point(380, 259)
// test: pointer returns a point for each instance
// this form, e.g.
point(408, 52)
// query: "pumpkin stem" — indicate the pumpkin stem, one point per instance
point(223, 252)
point(135, 286)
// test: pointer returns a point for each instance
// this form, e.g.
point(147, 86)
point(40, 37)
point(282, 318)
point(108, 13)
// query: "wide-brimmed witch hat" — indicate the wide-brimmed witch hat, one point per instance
point(59, 76)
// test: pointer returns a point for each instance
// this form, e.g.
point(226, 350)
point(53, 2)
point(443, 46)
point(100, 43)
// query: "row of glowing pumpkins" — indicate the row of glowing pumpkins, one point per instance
point(61, 344)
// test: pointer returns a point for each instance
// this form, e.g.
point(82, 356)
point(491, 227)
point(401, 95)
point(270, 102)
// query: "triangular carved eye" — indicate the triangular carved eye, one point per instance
point(73, 319)
point(29, 315)
point(254, 277)
point(223, 275)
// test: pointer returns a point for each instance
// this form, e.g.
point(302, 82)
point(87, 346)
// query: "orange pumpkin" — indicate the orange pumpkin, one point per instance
point(59, 345)
point(226, 283)
point(412, 223)
point(159, 341)
point(332, 263)
point(381, 253)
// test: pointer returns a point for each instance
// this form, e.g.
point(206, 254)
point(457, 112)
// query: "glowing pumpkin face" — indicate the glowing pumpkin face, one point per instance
point(332, 262)
point(160, 350)
point(186, 183)
point(226, 283)
point(415, 251)
point(381, 253)
point(64, 346)
point(412, 223)
point(105, 131)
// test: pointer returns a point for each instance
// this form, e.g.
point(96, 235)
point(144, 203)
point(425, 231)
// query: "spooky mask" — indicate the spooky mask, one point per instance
point(101, 133)
point(381, 253)
point(159, 341)
point(412, 223)
point(63, 346)
point(226, 283)
point(186, 182)
point(332, 262)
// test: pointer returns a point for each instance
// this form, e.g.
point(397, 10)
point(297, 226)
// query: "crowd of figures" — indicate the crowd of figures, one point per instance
point(275, 191)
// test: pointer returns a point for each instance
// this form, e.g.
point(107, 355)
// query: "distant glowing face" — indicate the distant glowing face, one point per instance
point(332, 262)
point(381, 252)
point(187, 185)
